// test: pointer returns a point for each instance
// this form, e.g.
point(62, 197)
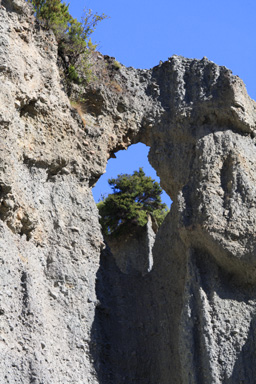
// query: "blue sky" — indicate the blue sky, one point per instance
point(141, 33)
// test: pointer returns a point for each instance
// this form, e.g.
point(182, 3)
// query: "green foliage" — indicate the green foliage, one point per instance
point(117, 64)
point(54, 14)
point(73, 36)
point(76, 41)
point(73, 75)
point(134, 198)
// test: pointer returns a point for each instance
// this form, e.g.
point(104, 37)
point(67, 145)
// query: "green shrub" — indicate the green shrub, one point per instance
point(117, 64)
point(73, 75)
point(54, 14)
point(73, 36)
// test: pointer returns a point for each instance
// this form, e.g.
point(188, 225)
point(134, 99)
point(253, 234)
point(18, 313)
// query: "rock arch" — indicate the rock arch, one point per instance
point(202, 145)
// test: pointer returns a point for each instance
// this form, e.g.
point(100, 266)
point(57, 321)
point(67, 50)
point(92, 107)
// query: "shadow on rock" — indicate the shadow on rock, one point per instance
point(244, 371)
point(122, 327)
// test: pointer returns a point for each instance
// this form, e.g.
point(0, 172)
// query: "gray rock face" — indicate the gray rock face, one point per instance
point(133, 251)
point(70, 310)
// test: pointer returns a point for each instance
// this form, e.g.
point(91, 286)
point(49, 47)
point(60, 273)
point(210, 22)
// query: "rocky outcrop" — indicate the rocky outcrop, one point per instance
point(70, 311)
point(132, 251)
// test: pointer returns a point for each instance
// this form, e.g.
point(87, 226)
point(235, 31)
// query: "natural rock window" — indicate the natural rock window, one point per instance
point(127, 162)
point(132, 249)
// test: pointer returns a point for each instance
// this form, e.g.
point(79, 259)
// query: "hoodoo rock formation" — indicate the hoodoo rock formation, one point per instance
point(70, 310)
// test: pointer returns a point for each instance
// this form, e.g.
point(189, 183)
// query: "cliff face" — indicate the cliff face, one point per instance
point(70, 310)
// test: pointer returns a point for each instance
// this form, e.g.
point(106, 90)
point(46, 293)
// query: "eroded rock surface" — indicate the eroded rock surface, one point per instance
point(68, 312)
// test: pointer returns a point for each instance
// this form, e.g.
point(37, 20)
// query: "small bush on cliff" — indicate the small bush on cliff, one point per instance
point(73, 36)
point(134, 198)
point(54, 14)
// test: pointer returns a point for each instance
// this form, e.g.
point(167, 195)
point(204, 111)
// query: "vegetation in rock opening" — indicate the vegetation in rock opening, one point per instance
point(73, 36)
point(134, 197)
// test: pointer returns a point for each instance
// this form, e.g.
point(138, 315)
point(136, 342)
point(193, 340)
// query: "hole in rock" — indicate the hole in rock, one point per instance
point(131, 222)
point(127, 161)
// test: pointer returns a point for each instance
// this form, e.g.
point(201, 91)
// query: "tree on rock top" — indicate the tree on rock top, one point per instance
point(134, 197)
point(54, 13)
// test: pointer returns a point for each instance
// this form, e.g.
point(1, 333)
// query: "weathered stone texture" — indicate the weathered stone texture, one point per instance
point(70, 310)
point(133, 251)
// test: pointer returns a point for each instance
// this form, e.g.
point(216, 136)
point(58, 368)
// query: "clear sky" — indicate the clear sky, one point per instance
point(141, 33)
